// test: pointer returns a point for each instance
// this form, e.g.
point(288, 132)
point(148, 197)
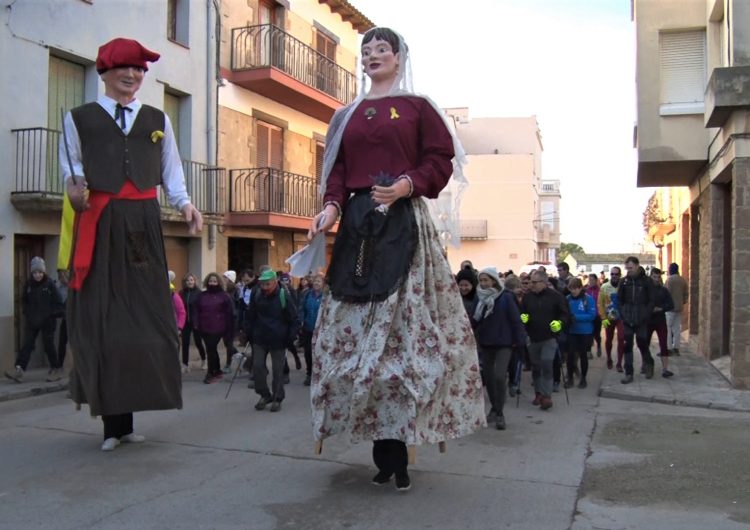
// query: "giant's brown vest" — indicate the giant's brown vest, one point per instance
point(110, 156)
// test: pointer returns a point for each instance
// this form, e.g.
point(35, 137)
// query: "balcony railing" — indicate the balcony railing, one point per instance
point(206, 185)
point(38, 172)
point(268, 190)
point(266, 45)
point(37, 166)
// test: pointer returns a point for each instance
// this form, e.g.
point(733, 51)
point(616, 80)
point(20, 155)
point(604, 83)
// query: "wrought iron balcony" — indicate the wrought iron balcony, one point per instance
point(267, 47)
point(38, 180)
point(268, 190)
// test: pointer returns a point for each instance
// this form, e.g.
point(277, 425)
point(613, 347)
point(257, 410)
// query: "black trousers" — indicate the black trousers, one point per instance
point(212, 351)
point(186, 331)
point(47, 328)
point(640, 334)
point(390, 456)
point(578, 347)
point(306, 339)
point(117, 425)
point(62, 343)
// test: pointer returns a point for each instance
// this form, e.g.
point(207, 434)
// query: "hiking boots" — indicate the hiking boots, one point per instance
point(500, 423)
point(582, 383)
point(545, 403)
point(666, 373)
point(262, 402)
point(537, 400)
point(626, 380)
point(275, 406)
point(649, 371)
point(16, 374)
point(54, 375)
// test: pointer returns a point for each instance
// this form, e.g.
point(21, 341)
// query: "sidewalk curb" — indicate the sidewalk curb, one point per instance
point(46, 388)
point(671, 401)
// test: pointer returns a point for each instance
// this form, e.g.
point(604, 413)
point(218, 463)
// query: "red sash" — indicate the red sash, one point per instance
point(88, 220)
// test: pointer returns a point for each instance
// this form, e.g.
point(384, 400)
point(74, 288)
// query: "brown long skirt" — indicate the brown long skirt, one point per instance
point(122, 329)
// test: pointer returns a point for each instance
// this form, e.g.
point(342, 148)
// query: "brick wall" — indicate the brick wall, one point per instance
point(740, 326)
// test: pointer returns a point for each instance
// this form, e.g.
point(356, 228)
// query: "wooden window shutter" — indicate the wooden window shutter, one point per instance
point(319, 150)
point(276, 147)
point(682, 58)
point(262, 151)
point(65, 89)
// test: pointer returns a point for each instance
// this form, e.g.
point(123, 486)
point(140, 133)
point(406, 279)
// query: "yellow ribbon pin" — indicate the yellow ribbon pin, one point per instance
point(394, 114)
point(156, 136)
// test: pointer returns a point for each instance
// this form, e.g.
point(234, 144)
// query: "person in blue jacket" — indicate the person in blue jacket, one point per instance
point(497, 328)
point(583, 312)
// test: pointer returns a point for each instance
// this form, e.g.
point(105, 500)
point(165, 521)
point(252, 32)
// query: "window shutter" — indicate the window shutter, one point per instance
point(319, 149)
point(277, 149)
point(65, 89)
point(262, 142)
point(683, 67)
point(172, 109)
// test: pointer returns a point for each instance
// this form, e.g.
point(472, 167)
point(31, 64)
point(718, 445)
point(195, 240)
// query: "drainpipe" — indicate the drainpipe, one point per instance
point(212, 94)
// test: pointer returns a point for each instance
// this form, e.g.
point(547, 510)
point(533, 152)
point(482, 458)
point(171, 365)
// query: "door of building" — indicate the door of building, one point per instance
point(25, 248)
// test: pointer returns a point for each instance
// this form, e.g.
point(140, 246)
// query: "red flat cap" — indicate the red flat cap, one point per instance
point(124, 52)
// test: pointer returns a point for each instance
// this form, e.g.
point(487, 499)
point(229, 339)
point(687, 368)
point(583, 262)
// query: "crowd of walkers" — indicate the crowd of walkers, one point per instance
point(549, 325)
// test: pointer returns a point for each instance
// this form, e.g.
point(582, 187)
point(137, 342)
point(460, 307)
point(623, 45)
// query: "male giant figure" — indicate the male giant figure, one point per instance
point(121, 323)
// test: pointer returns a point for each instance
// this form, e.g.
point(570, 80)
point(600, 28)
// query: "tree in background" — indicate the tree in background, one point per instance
point(570, 248)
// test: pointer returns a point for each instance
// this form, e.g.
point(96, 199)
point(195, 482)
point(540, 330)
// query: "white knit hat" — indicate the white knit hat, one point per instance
point(231, 276)
point(492, 273)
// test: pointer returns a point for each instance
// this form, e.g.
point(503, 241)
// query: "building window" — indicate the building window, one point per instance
point(178, 20)
point(65, 88)
point(319, 152)
point(325, 70)
point(269, 185)
point(173, 109)
point(682, 59)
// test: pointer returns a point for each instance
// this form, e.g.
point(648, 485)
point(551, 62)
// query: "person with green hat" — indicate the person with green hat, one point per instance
point(271, 322)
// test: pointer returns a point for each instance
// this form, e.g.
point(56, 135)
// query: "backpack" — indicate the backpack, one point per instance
point(282, 295)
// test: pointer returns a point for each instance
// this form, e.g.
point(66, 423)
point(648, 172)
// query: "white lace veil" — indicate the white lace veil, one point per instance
point(445, 208)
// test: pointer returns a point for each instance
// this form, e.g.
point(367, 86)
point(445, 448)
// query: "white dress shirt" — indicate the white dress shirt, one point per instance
point(173, 177)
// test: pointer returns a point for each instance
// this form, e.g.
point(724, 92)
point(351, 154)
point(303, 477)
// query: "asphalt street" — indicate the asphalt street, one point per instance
point(595, 463)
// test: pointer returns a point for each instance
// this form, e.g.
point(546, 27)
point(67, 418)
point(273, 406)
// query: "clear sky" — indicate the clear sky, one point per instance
point(569, 62)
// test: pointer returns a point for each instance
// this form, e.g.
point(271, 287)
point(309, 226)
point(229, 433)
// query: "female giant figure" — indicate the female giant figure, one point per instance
point(394, 355)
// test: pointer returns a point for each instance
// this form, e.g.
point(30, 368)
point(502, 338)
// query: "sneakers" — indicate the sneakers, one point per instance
point(381, 478)
point(185, 368)
point(213, 378)
point(203, 364)
point(276, 406)
point(307, 381)
point(54, 375)
point(626, 380)
point(491, 416)
point(537, 400)
point(133, 438)
point(666, 373)
point(569, 383)
point(402, 482)
point(610, 364)
point(110, 444)
point(500, 423)
point(16, 374)
point(619, 368)
point(582, 383)
point(262, 402)
point(545, 403)
point(227, 369)
point(649, 371)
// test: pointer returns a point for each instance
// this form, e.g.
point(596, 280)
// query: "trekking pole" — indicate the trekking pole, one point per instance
point(517, 382)
point(237, 370)
point(562, 376)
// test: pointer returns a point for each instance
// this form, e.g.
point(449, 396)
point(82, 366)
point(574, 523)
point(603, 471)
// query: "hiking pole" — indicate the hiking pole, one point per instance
point(562, 376)
point(517, 382)
point(237, 370)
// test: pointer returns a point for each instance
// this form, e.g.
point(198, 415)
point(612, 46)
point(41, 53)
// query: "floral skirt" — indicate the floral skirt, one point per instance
point(404, 368)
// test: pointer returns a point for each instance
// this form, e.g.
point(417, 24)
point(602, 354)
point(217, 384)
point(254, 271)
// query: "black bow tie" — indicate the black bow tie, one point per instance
point(120, 114)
